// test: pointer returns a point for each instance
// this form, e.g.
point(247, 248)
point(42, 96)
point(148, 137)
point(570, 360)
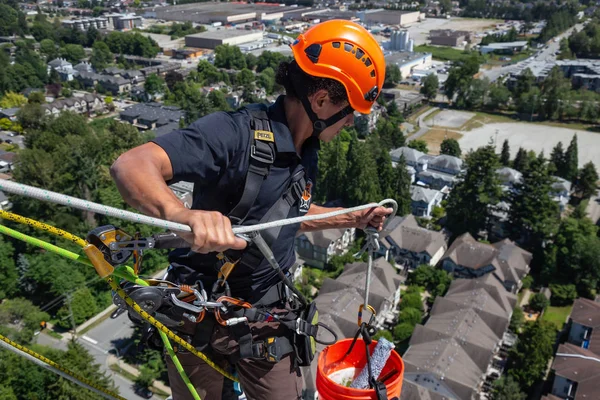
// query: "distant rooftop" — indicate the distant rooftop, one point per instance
point(222, 34)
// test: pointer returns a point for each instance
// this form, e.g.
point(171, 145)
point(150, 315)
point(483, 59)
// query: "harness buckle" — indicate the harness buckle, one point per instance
point(272, 350)
point(262, 155)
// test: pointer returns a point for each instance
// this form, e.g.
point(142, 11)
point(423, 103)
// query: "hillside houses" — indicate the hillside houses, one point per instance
point(87, 104)
point(317, 248)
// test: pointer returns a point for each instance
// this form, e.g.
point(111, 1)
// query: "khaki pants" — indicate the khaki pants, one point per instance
point(260, 379)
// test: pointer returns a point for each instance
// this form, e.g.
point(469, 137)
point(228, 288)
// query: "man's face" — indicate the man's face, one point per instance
point(328, 110)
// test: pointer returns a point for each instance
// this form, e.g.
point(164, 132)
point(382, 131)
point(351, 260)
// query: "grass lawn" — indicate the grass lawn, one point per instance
point(495, 59)
point(435, 136)
point(412, 119)
point(557, 315)
point(445, 53)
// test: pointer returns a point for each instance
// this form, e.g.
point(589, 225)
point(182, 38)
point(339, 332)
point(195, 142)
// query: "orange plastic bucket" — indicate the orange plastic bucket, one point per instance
point(333, 372)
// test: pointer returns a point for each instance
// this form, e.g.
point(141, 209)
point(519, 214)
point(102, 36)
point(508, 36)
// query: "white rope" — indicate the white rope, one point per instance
point(53, 197)
point(55, 370)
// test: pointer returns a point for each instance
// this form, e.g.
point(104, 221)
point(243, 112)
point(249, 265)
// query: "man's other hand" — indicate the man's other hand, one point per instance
point(374, 217)
point(211, 231)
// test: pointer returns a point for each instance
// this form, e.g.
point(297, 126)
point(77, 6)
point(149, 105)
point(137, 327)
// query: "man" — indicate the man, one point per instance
point(251, 166)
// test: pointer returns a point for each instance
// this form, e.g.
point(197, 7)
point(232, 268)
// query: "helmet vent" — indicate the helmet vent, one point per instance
point(359, 53)
point(368, 62)
point(373, 74)
point(313, 51)
point(348, 47)
point(336, 45)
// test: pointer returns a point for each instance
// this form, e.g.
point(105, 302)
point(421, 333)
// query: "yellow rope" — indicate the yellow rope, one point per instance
point(42, 226)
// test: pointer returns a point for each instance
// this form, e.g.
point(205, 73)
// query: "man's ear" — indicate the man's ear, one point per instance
point(319, 99)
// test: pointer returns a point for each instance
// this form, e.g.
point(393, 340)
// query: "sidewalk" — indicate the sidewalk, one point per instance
point(134, 371)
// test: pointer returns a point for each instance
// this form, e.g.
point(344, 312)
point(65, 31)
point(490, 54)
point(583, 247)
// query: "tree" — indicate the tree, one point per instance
point(22, 314)
point(362, 187)
point(410, 315)
point(83, 306)
point(587, 184)
point(229, 57)
point(563, 295)
point(411, 300)
point(430, 86)
point(37, 98)
point(521, 161)
point(384, 333)
point(516, 320)
point(8, 271)
point(11, 100)
point(557, 160)
point(436, 281)
point(506, 388)
point(450, 147)
point(572, 160)
point(498, 97)
point(554, 91)
point(101, 55)
point(49, 49)
point(392, 76)
point(402, 182)
point(218, 100)
point(469, 203)
point(333, 167)
point(154, 84)
point(529, 358)
point(420, 145)
point(389, 133)
point(73, 53)
point(403, 331)
point(505, 154)
point(533, 216)
point(245, 78)
point(266, 79)
point(538, 302)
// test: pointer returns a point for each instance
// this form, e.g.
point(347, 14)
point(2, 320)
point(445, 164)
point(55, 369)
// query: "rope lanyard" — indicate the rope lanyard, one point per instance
point(54, 367)
point(105, 270)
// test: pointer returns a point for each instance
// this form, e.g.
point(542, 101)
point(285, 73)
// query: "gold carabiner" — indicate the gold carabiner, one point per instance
point(360, 310)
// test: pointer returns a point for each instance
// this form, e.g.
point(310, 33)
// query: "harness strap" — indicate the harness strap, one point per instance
point(262, 157)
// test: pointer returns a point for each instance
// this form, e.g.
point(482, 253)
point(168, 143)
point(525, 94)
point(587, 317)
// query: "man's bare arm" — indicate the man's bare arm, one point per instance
point(357, 219)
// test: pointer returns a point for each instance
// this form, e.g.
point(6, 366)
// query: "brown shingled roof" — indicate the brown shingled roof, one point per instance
point(585, 372)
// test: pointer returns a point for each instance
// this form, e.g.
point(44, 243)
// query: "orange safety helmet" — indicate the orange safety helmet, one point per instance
point(346, 52)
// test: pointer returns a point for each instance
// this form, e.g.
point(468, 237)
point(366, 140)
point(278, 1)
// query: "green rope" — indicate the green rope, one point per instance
point(122, 272)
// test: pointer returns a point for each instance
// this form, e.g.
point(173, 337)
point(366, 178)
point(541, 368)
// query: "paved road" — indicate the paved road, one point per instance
point(424, 127)
point(544, 54)
point(18, 140)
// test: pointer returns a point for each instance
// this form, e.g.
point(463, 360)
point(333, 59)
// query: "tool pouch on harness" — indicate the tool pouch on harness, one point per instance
point(305, 336)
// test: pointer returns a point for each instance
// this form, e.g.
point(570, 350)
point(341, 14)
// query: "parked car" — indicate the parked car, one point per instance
point(144, 392)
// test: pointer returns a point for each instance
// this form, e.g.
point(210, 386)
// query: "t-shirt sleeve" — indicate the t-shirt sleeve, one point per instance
point(201, 152)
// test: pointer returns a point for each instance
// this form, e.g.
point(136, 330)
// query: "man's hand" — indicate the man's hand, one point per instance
point(211, 231)
point(374, 217)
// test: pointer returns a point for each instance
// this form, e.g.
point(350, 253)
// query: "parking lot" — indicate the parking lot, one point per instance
point(451, 118)
point(534, 137)
point(420, 30)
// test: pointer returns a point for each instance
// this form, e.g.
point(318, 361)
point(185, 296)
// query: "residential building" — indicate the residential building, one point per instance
point(576, 374)
point(5, 203)
point(463, 346)
point(412, 157)
point(445, 164)
point(584, 324)
point(316, 248)
point(83, 67)
point(423, 200)
point(339, 300)
point(153, 116)
point(408, 245)
point(369, 120)
point(509, 178)
point(503, 261)
point(504, 48)
point(84, 24)
point(436, 180)
point(88, 103)
point(114, 84)
point(9, 113)
point(447, 37)
point(7, 161)
point(63, 67)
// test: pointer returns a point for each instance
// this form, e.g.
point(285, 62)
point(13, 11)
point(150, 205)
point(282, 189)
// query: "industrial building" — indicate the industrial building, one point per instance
point(583, 73)
point(401, 41)
point(503, 48)
point(389, 17)
point(448, 37)
point(225, 13)
point(407, 62)
point(212, 39)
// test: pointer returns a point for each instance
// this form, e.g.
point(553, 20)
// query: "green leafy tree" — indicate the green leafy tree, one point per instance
point(538, 302)
point(505, 154)
point(83, 306)
point(572, 160)
point(469, 202)
point(403, 331)
point(460, 79)
point(384, 333)
point(521, 160)
point(73, 53)
point(554, 91)
point(333, 167)
point(154, 84)
point(8, 271)
point(498, 97)
point(9, 20)
point(361, 187)
point(49, 49)
point(506, 388)
point(5, 124)
point(11, 100)
point(563, 295)
point(101, 55)
point(529, 358)
point(392, 76)
point(218, 100)
point(533, 215)
point(229, 57)
point(418, 144)
point(22, 314)
point(37, 97)
point(450, 147)
point(245, 78)
point(516, 320)
point(389, 133)
point(410, 315)
point(557, 160)
point(411, 300)
point(270, 59)
point(587, 184)
point(266, 79)
point(430, 86)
